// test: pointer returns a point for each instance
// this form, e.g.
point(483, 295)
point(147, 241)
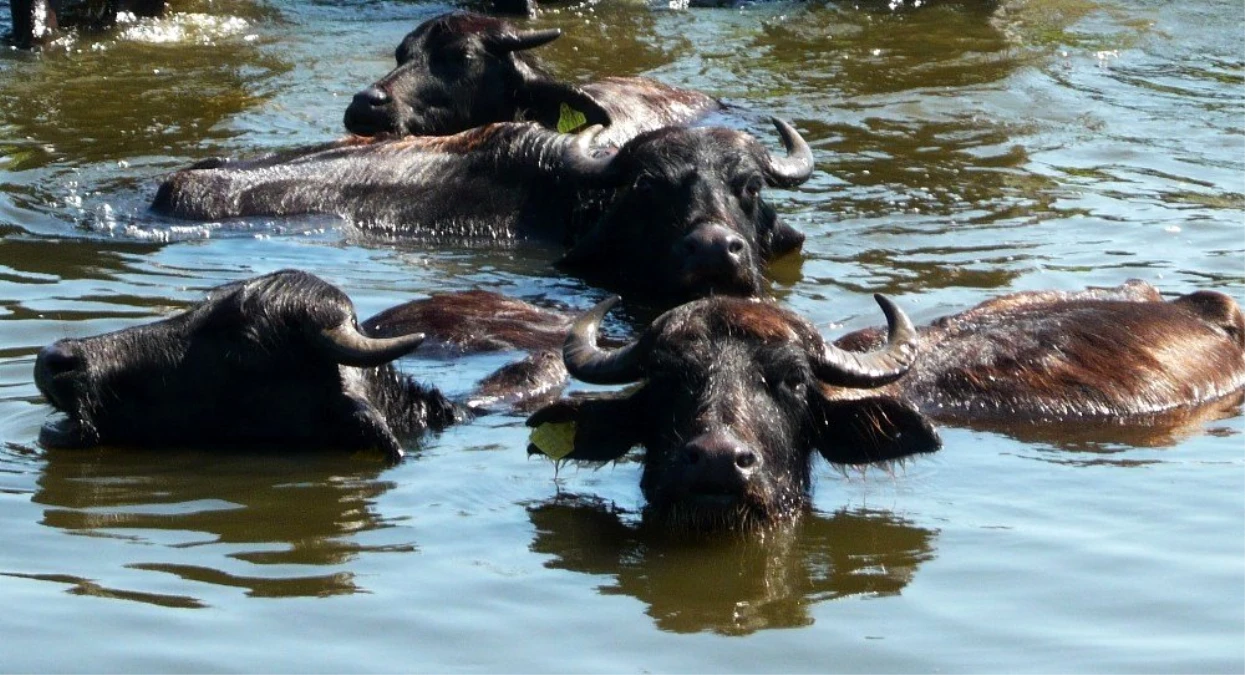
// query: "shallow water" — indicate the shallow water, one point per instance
point(963, 150)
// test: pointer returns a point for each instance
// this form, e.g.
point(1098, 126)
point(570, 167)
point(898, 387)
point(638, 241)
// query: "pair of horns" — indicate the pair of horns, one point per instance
point(590, 162)
point(349, 347)
point(834, 366)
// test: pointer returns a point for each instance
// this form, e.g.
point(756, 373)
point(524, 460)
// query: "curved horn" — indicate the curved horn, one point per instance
point(583, 160)
point(842, 368)
point(521, 40)
point(587, 362)
point(349, 347)
point(797, 166)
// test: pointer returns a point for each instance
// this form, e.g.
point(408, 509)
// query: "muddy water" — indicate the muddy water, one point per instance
point(963, 150)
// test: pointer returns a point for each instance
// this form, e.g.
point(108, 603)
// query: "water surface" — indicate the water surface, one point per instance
point(963, 150)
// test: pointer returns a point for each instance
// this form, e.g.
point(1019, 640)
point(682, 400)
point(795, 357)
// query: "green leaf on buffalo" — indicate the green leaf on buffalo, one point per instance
point(555, 439)
point(570, 119)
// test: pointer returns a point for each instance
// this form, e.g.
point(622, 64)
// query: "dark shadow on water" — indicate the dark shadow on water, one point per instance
point(733, 585)
point(32, 259)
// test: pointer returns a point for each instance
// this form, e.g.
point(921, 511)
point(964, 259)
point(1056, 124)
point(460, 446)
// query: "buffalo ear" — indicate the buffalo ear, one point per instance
point(550, 102)
point(370, 428)
point(871, 430)
point(784, 239)
point(585, 429)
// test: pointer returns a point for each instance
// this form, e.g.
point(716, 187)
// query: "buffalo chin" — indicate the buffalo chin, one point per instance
point(66, 433)
point(739, 287)
point(712, 513)
point(366, 123)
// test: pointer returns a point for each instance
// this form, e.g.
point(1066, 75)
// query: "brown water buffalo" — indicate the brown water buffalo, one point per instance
point(1117, 354)
point(737, 395)
point(277, 360)
point(676, 213)
point(37, 21)
point(461, 70)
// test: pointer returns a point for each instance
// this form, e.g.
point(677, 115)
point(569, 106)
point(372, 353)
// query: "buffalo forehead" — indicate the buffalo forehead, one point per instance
point(721, 150)
point(716, 319)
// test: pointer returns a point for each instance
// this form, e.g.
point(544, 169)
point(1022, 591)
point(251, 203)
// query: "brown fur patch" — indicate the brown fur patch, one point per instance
point(762, 321)
point(473, 321)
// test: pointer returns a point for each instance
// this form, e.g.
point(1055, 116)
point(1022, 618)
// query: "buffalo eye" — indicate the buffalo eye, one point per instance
point(750, 192)
point(450, 61)
point(792, 383)
point(643, 183)
point(795, 384)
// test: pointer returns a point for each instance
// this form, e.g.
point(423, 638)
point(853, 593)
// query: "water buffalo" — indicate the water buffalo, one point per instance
point(738, 394)
point(676, 213)
point(36, 21)
point(461, 70)
point(1115, 354)
point(276, 360)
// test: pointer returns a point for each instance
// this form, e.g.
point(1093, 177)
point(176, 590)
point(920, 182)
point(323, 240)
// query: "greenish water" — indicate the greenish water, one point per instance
point(963, 150)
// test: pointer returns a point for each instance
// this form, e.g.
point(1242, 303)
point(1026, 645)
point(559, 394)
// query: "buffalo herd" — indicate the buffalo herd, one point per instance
point(730, 394)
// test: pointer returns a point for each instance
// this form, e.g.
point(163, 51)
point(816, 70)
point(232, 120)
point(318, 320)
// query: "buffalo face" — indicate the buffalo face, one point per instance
point(454, 72)
point(685, 216)
point(273, 360)
point(736, 397)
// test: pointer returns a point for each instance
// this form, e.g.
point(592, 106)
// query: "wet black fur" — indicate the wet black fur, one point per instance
point(710, 369)
point(241, 368)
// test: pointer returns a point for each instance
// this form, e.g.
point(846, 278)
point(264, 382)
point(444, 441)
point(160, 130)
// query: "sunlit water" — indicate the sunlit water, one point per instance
point(963, 151)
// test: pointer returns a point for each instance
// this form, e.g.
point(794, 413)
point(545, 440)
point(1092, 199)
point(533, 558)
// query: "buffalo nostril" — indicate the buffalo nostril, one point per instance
point(745, 459)
point(712, 247)
point(57, 358)
point(692, 455)
point(373, 96)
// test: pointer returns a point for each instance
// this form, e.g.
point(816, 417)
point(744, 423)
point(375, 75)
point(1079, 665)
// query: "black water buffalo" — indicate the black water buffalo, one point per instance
point(276, 360)
point(676, 213)
point(36, 21)
point(738, 394)
point(461, 70)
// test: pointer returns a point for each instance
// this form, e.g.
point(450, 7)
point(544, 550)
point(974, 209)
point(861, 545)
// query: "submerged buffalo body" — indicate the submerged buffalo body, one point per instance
point(36, 21)
point(737, 395)
point(1114, 354)
point(462, 70)
point(276, 360)
point(674, 214)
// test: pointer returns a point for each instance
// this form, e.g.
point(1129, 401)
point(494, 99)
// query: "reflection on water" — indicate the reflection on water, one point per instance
point(132, 99)
point(275, 526)
point(1108, 437)
point(630, 35)
point(82, 120)
point(740, 586)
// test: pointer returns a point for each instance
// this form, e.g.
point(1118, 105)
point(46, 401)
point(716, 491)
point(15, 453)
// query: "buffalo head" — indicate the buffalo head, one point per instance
point(462, 70)
point(683, 215)
point(278, 359)
point(737, 395)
